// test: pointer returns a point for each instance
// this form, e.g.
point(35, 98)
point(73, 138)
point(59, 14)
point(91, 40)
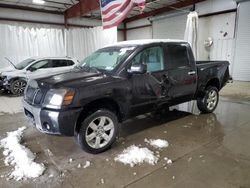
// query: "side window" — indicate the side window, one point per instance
point(40, 65)
point(59, 63)
point(153, 57)
point(177, 55)
point(70, 63)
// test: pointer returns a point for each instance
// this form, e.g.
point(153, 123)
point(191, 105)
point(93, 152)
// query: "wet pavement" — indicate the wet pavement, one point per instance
point(208, 150)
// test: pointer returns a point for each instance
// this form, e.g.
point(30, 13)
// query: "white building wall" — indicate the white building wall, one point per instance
point(241, 68)
point(221, 29)
point(211, 6)
point(172, 25)
point(169, 26)
point(141, 33)
point(120, 36)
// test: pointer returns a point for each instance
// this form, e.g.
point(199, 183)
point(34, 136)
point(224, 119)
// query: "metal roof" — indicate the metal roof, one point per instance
point(60, 6)
point(50, 5)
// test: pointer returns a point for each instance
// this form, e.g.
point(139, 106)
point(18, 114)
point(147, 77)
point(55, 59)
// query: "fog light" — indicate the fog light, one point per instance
point(46, 126)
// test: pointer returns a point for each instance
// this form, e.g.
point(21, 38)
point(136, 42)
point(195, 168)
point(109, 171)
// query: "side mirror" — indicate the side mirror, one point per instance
point(138, 69)
point(32, 69)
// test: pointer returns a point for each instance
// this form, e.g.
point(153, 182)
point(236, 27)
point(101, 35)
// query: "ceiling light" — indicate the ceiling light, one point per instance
point(41, 2)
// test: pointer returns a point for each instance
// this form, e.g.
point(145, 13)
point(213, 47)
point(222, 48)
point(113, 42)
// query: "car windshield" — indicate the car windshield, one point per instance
point(24, 64)
point(106, 59)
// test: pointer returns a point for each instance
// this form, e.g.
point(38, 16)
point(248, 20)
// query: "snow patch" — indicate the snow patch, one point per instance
point(134, 155)
point(158, 143)
point(20, 157)
point(102, 181)
point(87, 164)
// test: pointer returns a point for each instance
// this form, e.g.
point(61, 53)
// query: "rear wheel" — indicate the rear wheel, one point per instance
point(17, 87)
point(98, 131)
point(210, 100)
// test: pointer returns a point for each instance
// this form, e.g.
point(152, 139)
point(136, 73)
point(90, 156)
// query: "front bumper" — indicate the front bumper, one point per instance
point(58, 122)
point(4, 84)
point(1, 84)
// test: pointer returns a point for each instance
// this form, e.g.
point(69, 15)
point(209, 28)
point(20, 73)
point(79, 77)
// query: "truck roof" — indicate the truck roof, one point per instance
point(143, 42)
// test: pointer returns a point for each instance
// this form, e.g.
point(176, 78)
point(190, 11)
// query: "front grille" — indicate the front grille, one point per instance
point(33, 95)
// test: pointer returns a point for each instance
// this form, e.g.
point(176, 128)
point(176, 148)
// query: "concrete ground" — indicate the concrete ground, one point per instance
point(237, 90)
point(208, 150)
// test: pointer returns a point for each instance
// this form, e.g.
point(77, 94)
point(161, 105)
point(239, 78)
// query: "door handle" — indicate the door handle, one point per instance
point(191, 72)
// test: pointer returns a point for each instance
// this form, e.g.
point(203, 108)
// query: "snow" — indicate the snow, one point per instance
point(169, 161)
point(20, 157)
point(143, 42)
point(134, 155)
point(102, 181)
point(158, 143)
point(189, 159)
point(87, 164)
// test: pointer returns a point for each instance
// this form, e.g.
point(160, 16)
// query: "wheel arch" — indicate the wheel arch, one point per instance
point(215, 82)
point(106, 103)
point(17, 78)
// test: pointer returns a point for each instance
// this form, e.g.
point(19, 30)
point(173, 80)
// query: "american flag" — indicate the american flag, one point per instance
point(115, 11)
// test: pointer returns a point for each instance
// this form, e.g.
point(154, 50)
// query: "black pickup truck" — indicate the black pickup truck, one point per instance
point(119, 82)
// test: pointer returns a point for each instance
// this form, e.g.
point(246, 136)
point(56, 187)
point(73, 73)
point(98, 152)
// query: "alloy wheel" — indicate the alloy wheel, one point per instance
point(99, 132)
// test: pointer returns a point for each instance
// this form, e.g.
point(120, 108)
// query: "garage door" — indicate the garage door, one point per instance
point(170, 27)
point(142, 33)
point(241, 69)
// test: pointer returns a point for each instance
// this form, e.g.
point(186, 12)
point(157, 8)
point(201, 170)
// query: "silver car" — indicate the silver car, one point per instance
point(14, 80)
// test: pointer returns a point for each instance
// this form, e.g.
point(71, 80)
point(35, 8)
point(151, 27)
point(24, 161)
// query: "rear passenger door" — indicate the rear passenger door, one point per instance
point(60, 65)
point(182, 75)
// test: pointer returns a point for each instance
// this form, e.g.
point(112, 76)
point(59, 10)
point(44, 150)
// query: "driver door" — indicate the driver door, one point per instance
point(150, 88)
point(38, 69)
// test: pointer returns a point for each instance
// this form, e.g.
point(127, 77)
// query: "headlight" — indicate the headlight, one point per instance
point(55, 98)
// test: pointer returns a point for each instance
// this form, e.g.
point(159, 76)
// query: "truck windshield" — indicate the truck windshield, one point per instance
point(24, 64)
point(106, 59)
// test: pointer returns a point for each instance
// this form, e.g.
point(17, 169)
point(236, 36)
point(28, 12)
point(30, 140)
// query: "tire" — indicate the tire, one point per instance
point(1, 90)
point(17, 87)
point(210, 100)
point(91, 135)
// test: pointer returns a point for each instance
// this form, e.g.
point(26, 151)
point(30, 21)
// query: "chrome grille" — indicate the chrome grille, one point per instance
point(33, 95)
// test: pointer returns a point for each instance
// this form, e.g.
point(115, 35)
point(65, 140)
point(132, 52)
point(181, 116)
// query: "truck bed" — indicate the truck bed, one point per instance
point(212, 69)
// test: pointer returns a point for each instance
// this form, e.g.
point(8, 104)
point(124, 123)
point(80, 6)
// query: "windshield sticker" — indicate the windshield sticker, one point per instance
point(124, 50)
point(109, 68)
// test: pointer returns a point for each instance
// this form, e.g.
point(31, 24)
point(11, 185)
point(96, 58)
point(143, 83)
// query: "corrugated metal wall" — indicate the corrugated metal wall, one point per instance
point(170, 27)
point(241, 68)
point(221, 29)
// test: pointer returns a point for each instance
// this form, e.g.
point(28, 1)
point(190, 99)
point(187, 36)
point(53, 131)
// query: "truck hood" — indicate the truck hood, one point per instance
point(72, 78)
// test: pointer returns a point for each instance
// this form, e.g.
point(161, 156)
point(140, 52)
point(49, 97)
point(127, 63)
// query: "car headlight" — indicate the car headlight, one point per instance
point(55, 98)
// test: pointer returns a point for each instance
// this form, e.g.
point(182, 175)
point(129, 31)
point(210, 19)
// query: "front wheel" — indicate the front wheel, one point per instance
point(98, 131)
point(17, 87)
point(210, 100)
